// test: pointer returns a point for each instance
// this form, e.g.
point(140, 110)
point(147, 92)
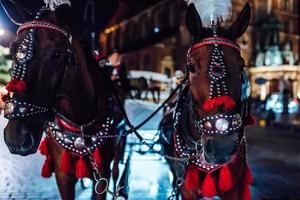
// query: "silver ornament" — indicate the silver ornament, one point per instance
point(22, 110)
point(222, 124)
point(79, 143)
point(208, 126)
point(9, 108)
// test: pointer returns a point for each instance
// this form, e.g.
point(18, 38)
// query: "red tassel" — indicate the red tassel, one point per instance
point(246, 192)
point(192, 180)
point(209, 188)
point(47, 169)
point(82, 170)
point(20, 86)
point(66, 162)
point(250, 120)
point(248, 178)
point(44, 147)
point(225, 179)
point(97, 157)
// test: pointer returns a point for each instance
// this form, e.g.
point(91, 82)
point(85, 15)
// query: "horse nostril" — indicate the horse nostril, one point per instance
point(27, 141)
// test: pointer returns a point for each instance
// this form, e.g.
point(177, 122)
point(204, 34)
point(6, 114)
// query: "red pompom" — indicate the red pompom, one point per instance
point(16, 86)
point(66, 164)
point(208, 105)
point(11, 85)
point(20, 86)
point(82, 170)
point(192, 179)
point(48, 168)
point(97, 157)
point(246, 192)
point(209, 187)
point(248, 178)
point(213, 103)
point(44, 147)
point(228, 102)
point(225, 179)
point(5, 97)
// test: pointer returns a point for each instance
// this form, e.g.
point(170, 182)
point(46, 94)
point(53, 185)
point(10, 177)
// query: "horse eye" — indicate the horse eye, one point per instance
point(191, 67)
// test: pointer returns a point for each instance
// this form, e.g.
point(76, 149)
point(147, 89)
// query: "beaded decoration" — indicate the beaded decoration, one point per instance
point(77, 142)
point(14, 108)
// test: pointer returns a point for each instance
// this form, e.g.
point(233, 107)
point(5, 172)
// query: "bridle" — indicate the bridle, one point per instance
point(16, 108)
point(221, 124)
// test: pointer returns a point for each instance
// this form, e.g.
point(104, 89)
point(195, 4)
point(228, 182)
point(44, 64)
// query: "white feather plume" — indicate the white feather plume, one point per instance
point(53, 4)
point(212, 11)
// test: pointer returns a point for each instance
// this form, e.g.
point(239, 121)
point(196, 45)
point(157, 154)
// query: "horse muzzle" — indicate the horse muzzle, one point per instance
point(23, 145)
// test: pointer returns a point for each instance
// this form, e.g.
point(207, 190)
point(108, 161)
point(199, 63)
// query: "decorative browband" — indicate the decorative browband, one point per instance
point(40, 24)
point(216, 41)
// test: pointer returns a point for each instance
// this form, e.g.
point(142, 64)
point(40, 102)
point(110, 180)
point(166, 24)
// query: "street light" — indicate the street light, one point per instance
point(2, 31)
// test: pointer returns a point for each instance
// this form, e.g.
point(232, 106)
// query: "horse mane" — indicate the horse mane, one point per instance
point(101, 81)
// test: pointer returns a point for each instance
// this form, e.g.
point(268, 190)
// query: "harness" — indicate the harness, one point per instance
point(16, 108)
point(221, 124)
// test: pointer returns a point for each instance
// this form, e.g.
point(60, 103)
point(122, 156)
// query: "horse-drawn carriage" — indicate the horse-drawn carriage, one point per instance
point(143, 82)
point(58, 87)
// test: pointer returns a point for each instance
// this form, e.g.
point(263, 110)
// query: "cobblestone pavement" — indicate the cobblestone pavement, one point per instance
point(273, 156)
point(20, 176)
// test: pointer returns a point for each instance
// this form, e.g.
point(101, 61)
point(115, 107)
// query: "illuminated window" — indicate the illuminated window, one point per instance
point(286, 5)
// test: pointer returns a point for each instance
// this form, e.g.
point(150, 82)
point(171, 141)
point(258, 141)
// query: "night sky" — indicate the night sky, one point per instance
point(103, 9)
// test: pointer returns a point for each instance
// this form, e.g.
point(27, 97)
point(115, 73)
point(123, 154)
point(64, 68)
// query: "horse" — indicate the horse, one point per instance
point(203, 126)
point(58, 86)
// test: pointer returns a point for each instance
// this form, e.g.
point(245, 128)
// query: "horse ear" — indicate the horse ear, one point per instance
point(193, 21)
point(239, 27)
point(63, 14)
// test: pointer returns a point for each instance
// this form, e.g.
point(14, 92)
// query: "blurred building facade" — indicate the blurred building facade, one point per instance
point(156, 39)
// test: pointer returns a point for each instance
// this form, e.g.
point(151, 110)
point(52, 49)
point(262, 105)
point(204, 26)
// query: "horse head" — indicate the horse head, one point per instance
point(216, 73)
point(41, 55)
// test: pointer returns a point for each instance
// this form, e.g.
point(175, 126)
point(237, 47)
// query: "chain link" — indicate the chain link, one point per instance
point(179, 182)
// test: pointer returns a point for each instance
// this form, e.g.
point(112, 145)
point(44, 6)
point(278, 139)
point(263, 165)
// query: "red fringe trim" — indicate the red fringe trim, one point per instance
point(66, 164)
point(82, 170)
point(209, 187)
point(213, 103)
point(192, 179)
point(248, 178)
point(225, 179)
point(44, 147)
point(246, 192)
point(48, 168)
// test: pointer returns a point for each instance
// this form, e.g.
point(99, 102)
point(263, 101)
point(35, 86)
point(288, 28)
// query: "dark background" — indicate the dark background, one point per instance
point(104, 9)
point(104, 12)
